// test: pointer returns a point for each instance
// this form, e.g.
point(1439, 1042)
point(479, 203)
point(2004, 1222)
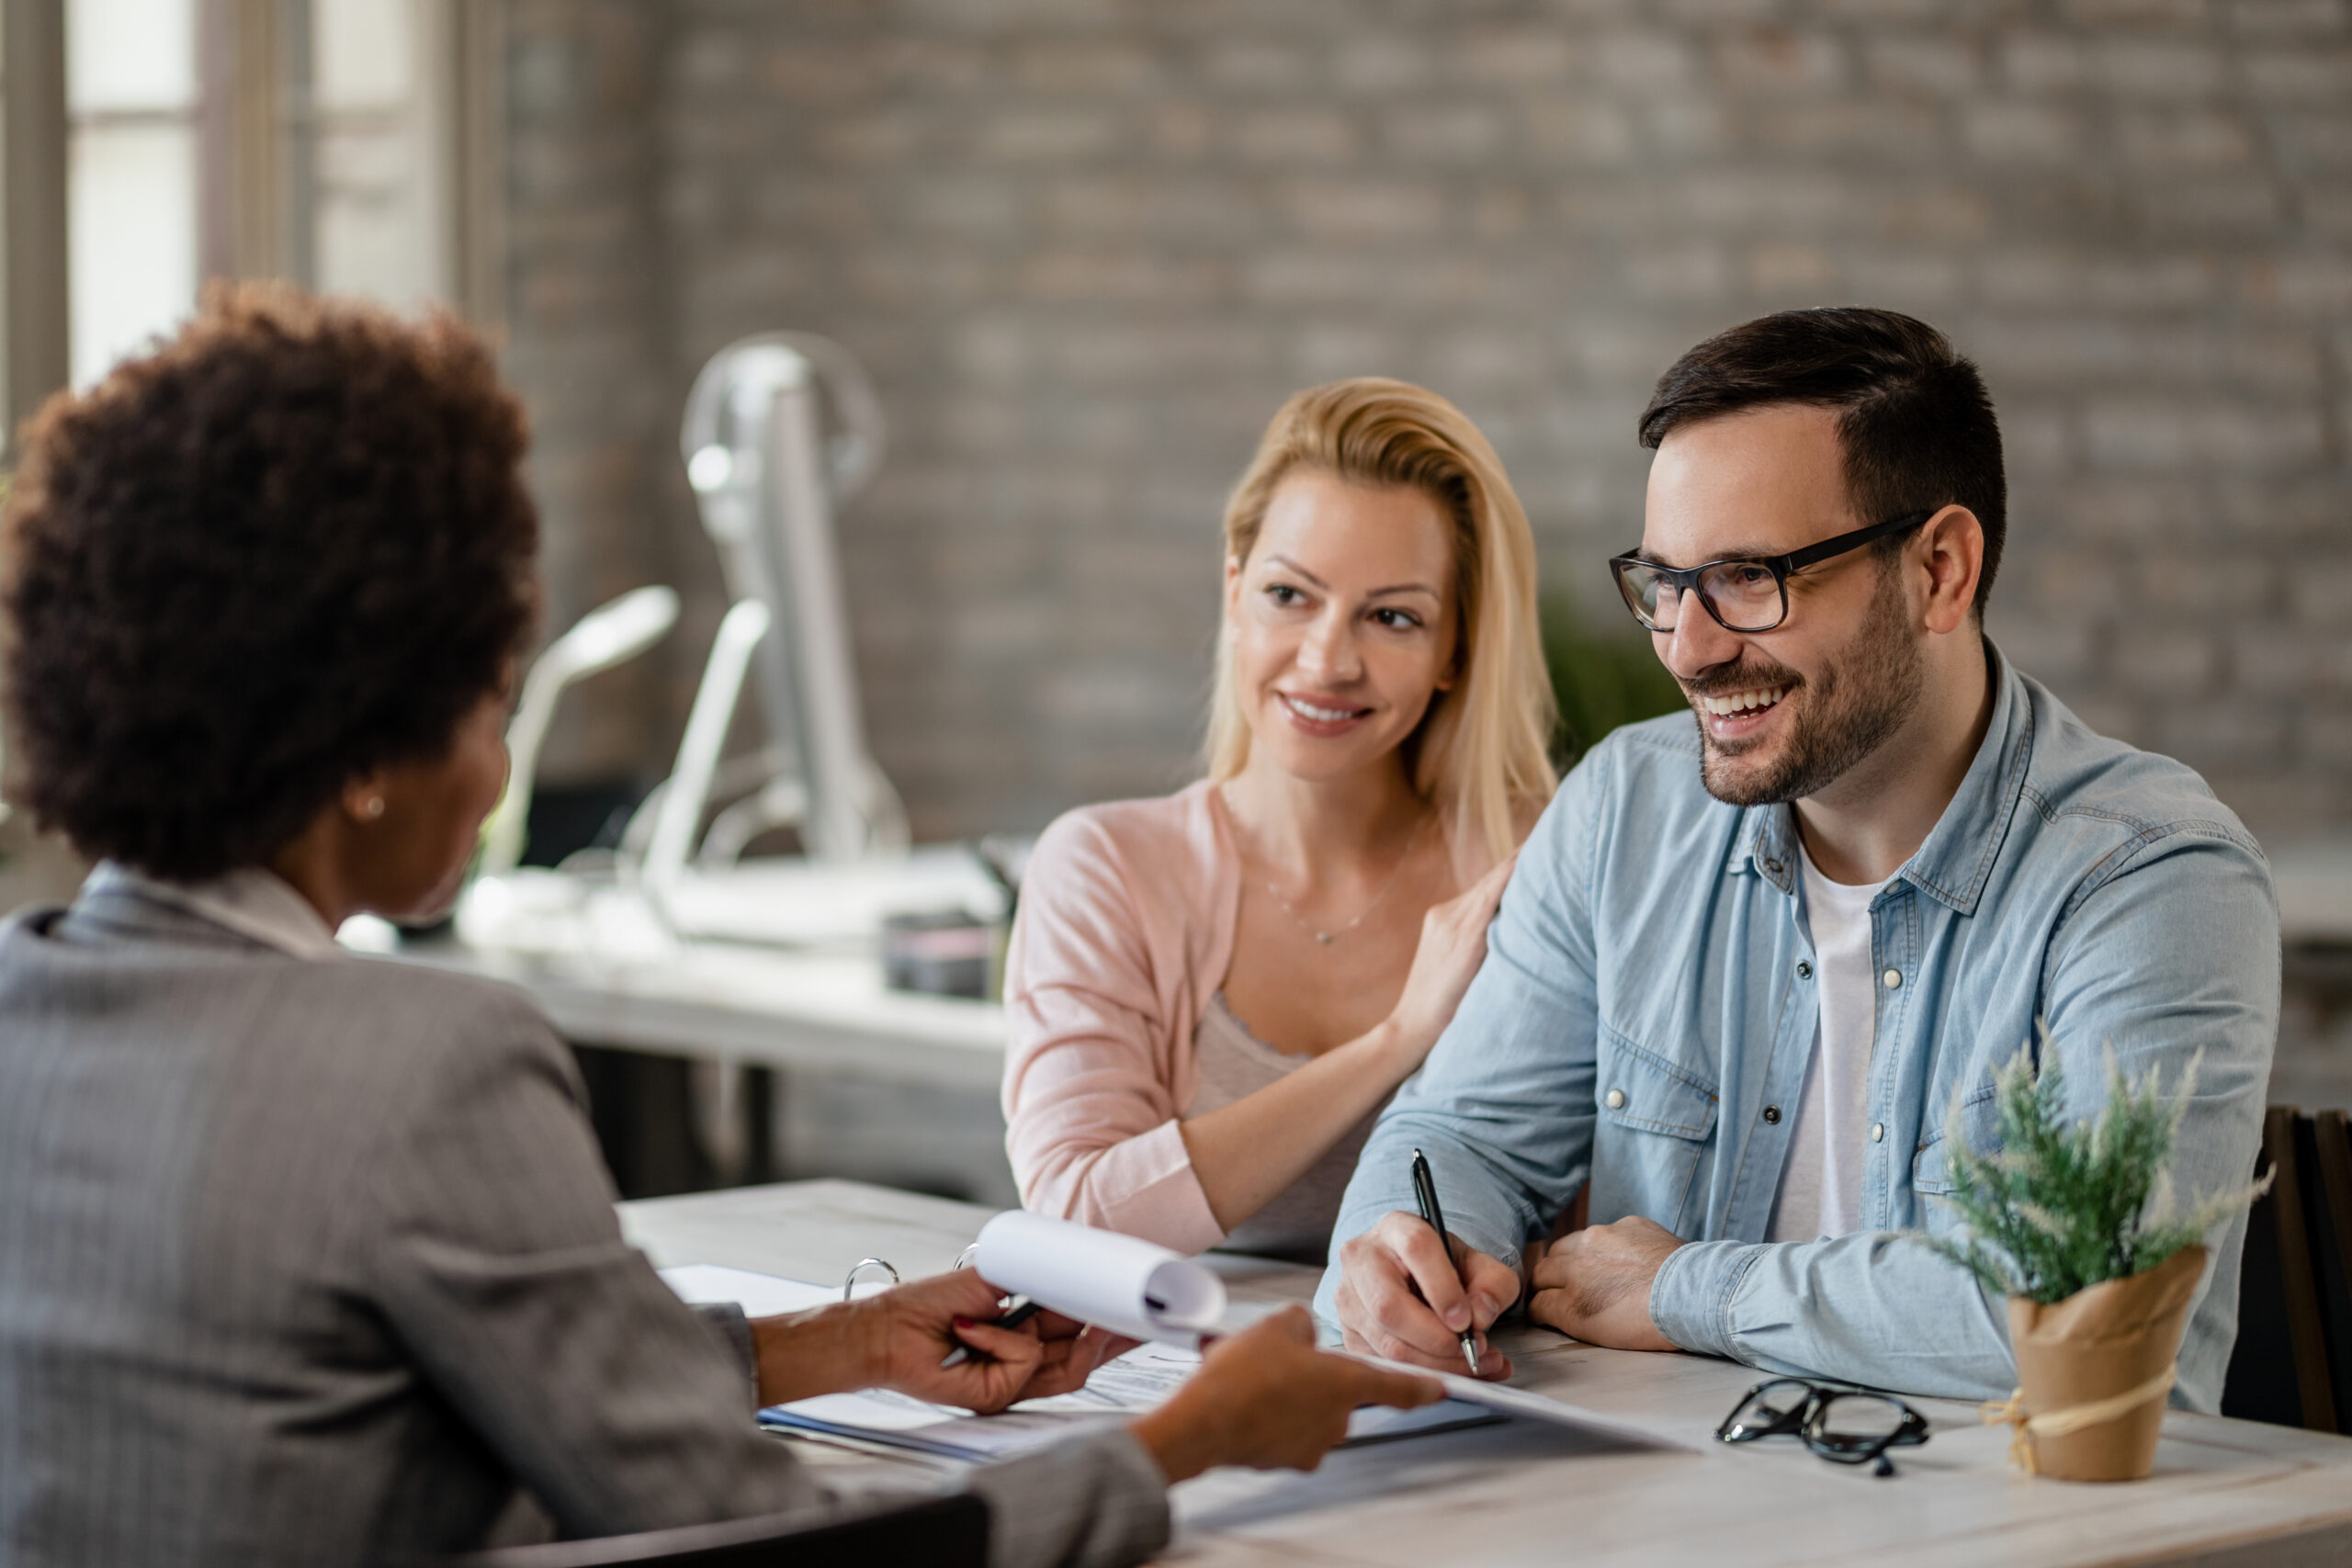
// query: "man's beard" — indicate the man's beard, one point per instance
point(1855, 708)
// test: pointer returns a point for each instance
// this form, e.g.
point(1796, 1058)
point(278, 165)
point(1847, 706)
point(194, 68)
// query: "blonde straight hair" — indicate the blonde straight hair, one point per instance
point(1482, 752)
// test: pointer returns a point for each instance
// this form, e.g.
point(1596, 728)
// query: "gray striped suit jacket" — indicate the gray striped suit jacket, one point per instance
point(315, 1262)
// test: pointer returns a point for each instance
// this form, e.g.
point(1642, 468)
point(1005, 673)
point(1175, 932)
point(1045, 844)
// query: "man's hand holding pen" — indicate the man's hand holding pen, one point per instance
point(1399, 1297)
point(1433, 1216)
point(1402, 1297)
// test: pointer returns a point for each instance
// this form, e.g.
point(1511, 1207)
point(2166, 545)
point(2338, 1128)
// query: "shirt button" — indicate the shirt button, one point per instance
point(1878, 1131)
point(1893, 979)
point(1773, 867)
point(1616, 1099)
point(1805, 970)
point(1772, 1113)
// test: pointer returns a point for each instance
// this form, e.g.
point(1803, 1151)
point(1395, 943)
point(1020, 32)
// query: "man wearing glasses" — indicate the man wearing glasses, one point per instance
point(1750, 972)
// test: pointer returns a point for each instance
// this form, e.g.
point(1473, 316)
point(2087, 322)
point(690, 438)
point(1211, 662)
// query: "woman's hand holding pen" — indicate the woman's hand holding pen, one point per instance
point(897, 1338)
point(1401, 1297)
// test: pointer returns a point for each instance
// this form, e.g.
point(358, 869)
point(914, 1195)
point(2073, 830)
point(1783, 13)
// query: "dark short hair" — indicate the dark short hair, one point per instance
point(1914, 418)
point(289, 547)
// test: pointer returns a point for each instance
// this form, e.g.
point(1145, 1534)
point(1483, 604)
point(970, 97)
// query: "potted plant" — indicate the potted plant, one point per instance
point(2080, 1228)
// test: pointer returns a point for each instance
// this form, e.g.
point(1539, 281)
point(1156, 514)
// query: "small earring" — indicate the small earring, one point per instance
point(372, 807)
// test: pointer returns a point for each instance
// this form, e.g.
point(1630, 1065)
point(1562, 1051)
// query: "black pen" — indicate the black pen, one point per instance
point(1018, 1310)
point(1425, 1191)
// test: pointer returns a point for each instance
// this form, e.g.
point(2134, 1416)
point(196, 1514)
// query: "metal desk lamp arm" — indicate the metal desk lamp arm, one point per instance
point(612, 634)
point(688, 788)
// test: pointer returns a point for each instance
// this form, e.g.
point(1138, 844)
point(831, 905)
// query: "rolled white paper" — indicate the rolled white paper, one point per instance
point(1118, 1282)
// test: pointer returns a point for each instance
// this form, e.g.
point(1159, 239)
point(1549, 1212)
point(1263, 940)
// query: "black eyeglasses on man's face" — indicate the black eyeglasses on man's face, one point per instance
point(1743, 593)
point(1845, 1426)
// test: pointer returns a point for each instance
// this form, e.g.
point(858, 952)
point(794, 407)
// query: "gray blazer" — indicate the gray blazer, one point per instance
point(315, 1261)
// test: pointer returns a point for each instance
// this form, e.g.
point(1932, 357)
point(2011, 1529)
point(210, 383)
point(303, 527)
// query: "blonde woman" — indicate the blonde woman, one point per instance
point(1213, 994)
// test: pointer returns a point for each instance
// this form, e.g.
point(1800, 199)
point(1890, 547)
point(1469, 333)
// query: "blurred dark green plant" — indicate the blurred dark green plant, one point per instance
point(1602, 678)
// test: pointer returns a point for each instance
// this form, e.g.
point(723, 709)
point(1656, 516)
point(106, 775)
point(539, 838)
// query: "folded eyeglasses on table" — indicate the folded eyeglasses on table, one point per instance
point(1844, 1426)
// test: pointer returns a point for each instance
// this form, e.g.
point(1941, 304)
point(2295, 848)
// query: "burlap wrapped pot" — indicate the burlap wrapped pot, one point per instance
point(2094, 1371)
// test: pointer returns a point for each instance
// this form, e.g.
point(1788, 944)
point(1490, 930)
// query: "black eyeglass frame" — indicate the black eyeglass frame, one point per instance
point(1685, 579)
point(1807, 1420)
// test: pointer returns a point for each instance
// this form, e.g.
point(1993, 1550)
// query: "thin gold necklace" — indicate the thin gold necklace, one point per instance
point(1327, 938)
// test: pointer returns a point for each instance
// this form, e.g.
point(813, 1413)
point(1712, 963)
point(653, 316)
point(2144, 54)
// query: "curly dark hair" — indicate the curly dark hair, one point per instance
point(289, 547)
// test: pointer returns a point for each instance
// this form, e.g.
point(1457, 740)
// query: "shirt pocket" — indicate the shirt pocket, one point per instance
point(1980, 1123)
point(1656, 1118)
point(1641, 1091)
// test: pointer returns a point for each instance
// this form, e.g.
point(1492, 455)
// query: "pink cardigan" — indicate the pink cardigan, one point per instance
point(1124, 934)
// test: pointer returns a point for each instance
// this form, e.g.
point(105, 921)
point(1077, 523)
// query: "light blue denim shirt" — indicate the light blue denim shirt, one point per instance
point(1646, 1011)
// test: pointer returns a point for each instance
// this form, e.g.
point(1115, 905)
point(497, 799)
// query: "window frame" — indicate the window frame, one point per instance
point(249, 155)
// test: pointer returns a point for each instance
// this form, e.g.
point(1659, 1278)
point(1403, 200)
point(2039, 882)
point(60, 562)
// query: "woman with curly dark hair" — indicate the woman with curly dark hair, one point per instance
point(311, 1259)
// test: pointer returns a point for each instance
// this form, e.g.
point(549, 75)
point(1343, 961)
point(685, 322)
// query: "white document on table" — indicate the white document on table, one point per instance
point(1505, 1399)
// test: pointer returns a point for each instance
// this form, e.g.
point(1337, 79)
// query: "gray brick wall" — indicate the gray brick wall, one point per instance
point(1087, 246)
point(589, 346)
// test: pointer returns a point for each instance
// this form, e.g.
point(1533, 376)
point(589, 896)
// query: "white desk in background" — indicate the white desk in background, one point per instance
point(752, 1005)
point(681, 976)
point(806, 1062)
point(2225, 1492)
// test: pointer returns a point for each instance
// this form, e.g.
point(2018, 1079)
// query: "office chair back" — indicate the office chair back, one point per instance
point(2293, 1364)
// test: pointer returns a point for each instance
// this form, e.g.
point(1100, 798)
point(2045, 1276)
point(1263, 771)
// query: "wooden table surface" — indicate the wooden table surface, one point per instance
point(2224, 1493)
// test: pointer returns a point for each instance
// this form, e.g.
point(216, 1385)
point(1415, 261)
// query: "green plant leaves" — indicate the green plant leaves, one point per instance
point(2055, 1208)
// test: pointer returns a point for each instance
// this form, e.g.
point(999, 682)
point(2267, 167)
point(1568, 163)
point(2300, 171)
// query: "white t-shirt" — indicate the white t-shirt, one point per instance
point(1821, 1189)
